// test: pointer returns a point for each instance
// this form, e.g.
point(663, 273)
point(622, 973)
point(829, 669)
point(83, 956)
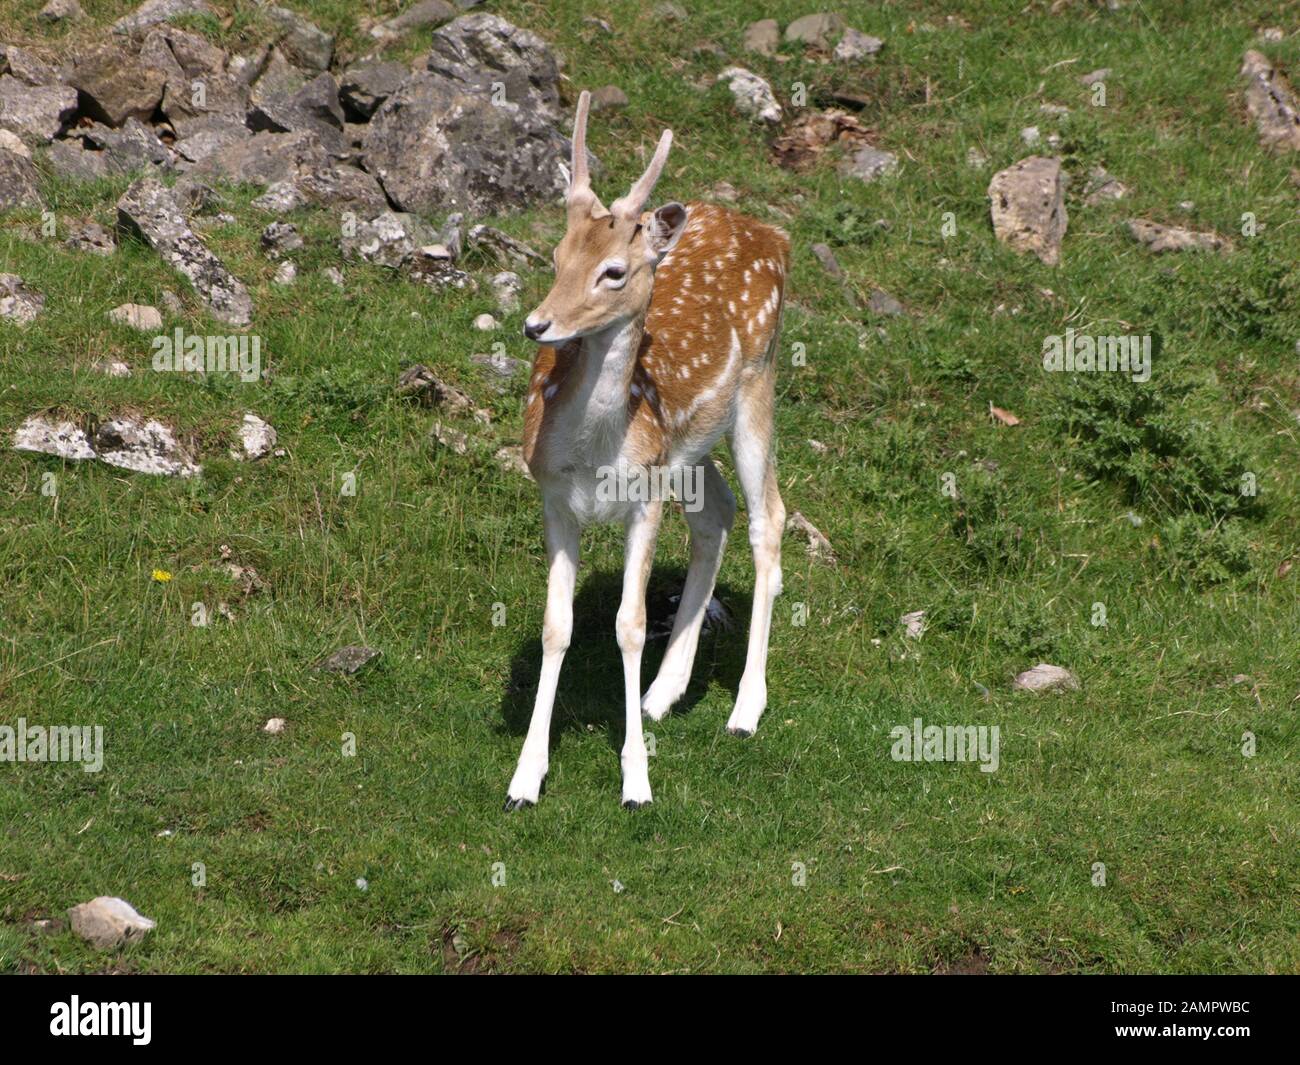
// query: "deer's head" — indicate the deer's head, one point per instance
point(605, 265)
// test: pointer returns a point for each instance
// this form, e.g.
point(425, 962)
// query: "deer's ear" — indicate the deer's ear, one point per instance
point(663, 230)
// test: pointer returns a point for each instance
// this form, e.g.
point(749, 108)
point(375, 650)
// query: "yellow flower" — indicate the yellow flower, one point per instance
point(161, 576)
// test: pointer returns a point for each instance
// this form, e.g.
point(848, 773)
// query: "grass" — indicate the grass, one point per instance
point(910, 867)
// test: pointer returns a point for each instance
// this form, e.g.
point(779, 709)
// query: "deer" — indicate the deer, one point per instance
point(657, 338)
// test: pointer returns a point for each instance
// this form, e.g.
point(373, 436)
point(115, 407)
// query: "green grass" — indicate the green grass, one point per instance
point(911, 867)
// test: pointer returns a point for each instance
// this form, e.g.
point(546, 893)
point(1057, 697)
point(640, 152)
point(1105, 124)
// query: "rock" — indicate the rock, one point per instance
point(314, 107)
point(173, 303)
point(200, 141)
point(477, 51)
point(18, 182)
point(1046, 678)
point(266, 158)
point(349, 660)
point(669, 12)
point(752, 94)
point(333, 275)
point(342, 188)
point(485, 323)
point(868, 163)
point(273, 79)
point(511, 459)
point(976, 159)
point(35, 113)
point(90, 237)
point(436, 271)
point(11, 142)
point(819, 548)
point(281, 198)
point(279, 238)
point(1031, 135)
point(98, 151)
point(151, 210)
point(18, 302)
point(914, 623)
point(366, 85)
point(256, 438)
point(114, 84)
point(391, 239)
point(1091, 78)
point(111, 367)
point(1102, 187)
point(304, 43)
point(1159, 239)
point(108, 923)
point(502, 248)
point(137, 316)
point(285, 274)
point(142, 445)
point(62, 11)
point(826, 257)
point(855, 45)
point(1272, 103)
point(817, 30)
point(808, 137)
point(152, 12)
point(1029, 207)
point(608, 98)
point(45, 436)
point(501, 366)
point(450, 438)
point(507, 288)
point(417, 16)
point(199, 92)
point(725, 191)
point(26, 66)
point(762, 37)
point(881, 302)
point(274, 725)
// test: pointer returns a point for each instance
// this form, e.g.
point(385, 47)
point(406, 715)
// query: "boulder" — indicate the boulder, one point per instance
point(36, 113)
point(18, 182)
point(303, 42)
point(114, 84)
point(417, 16)
point(107, 923)
point(753, 95)
point(762, 37)
point(1028, 207)
point(391, 239)
point(817, 30)
point(266, 158)
point(483, 50)
point(366, 85)
point(26, 66)
point(152, 12)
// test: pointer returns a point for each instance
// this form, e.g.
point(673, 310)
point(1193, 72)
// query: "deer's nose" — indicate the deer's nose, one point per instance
point(532, 330)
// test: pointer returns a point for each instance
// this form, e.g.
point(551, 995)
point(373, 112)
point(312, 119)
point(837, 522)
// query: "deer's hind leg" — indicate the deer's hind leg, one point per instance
point(709, 524)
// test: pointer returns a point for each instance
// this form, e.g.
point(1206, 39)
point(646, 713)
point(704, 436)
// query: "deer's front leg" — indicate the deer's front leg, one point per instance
point(642, 533)
point(557, 627)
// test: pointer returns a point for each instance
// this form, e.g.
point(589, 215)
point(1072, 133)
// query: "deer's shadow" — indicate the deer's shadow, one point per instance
point(591, 679)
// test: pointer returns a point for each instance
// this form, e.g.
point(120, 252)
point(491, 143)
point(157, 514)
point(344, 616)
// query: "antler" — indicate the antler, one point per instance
point(630, 205)
point(581, 199)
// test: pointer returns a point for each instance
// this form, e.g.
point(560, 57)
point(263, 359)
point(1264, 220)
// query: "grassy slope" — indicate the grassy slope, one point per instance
point(911, 867)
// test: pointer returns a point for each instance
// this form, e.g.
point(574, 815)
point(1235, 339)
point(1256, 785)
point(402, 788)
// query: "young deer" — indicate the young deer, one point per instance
point(658, 337)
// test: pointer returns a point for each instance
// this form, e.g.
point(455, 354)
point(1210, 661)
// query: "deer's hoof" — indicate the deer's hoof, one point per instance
point(516, 804)
point(743, 733)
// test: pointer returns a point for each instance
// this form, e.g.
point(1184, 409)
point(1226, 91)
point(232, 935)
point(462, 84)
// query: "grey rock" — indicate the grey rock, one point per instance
point(826, 257)
point(279, 238)
point(669, 12)
point(421, 384)
point(881, 302)
point(1103, 187)
point(18, 182)
point(417, 16)
point(608, 98)
point(1094, 76)
point(438, 145)
point(36, 113)
point(762, 37)
point(197, 86)
point(500, 365)
point(281, 198)
point(152, 211)
point(507, 287)
point(1272, 103)
point(114, 84)
point(44, 435)
point(199, 140)
point(753, 95)
point(868, 164)
point(26, 66)
point(108, 923)
point(19, 303)
point(818, 30)
point(275, 79)
point(195, 196)
point(137, 316)
point(438, 272)
point(90, 237)
point(152, 12)
point(256, 438)
point(98, 150)
point(266, 158)
point(366, 85)
point(391, 239)
point(343, 188)
point(304, 43)
point(285, 274)
point(111, 367)
point(62, 11)
point(333, 275)
point(142, 445)
point(480, 50)
point(11, 142)
point(452, 439)
point(819, 547)
point(501, 248)
point(315, 107)
point(856, 45)
point(1046, 678)
point(1159, 239)
point(1028, 207)
point(347, 660)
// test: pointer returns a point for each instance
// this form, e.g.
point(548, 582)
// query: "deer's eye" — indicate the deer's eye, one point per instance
point(615, 273)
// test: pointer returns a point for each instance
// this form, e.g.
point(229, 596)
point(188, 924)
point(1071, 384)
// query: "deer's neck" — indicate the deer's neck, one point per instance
point(606, 364)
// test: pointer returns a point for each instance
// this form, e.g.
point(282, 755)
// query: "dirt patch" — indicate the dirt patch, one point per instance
point(974, 963)
point(464, 951)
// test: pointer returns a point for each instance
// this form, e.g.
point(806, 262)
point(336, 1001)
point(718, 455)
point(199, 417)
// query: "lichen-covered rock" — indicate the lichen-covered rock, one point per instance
point(18, 182)
point(19, 303)
point(1159, 239)
point(753, 95)
point(391, 238)
point(1272, 103)
point(152, 12)
point(36, 113)
point(1028, 207)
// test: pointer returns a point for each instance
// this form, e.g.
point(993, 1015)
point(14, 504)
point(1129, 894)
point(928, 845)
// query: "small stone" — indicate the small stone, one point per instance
point(856, 45)
point(1102, 187)
point(279, 238)
point(348, 660)
point(762, 37)
point(753, 95)
point(107, 923)
point(281, 198)
point(274, 726)
point(914, 623)
point(1028, 207)
point(1091, 78)
point(511, 459)
point(286, 273)
point(18, 182)
point(111, 367)
point(726, 192)
point(670, 12)
point(881, 302)
point(173, 303)
point(976, 159)
point(256, 438)
point(1046, 678)
point(333, 275)
point(1159, 239)
point(90, 237)
point(152, 12)
point(485, 323)
point(137, 316)
point(608, 98)
point(61, 11)
point(64, 439)
point(1031, 135)
point(417, 16)
point(826, 257)
point(450, 438)
point(867, 164)
point(819, 547)
point(1271, 102)
point(420, 383)
point(507, 287)
point(817, 30)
